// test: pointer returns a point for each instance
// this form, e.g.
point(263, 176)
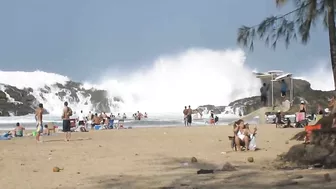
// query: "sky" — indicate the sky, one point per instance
point(74, 37)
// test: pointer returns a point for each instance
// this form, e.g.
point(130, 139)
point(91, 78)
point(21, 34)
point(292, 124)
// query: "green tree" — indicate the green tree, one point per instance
point(296, 23)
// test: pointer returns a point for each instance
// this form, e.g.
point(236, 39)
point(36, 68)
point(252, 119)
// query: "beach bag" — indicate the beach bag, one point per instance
point(69, 111)
point(253, 143)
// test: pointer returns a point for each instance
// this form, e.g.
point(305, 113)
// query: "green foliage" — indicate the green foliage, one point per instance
point(286, 27)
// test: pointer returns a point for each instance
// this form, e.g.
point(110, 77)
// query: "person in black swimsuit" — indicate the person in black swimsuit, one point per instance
point(302, 106)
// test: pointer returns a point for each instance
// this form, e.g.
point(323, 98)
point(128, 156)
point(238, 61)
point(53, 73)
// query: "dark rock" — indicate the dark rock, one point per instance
point(327, 177)
point(326, 122)
point(250, 159)
point(22, 102)
point(321, 150)
point(205, 171)
point(193, 160)
point(302, 91)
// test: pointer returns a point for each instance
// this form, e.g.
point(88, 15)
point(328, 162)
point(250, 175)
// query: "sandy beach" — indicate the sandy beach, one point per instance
point(150, 158)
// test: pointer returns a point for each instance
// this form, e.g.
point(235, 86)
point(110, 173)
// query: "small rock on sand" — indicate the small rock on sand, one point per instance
point(56, 169)
point(327, 177)
point(193, 160)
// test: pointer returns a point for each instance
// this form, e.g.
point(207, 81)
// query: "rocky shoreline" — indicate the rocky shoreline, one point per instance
point(18, 102)
point(14, 101)
point(302, 91)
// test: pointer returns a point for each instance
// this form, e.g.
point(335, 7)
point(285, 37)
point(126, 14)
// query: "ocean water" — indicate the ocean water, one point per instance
point(169, 120)
point(195, 77)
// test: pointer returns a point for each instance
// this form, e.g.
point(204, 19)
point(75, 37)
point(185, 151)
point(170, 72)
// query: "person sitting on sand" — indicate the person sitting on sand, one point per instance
point(7, 135)
point(81, 128)
point(106, 122)
point(242, 134)
point(46, 130)
point(18, 131)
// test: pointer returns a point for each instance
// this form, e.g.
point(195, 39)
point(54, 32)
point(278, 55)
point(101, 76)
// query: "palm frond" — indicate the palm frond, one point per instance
point(285, 27)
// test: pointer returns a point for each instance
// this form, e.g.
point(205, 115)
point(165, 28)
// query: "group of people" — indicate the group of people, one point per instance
point(187, 112)
point(66, 114)
point(18, 131)
point(264, 91)
point(138, 115)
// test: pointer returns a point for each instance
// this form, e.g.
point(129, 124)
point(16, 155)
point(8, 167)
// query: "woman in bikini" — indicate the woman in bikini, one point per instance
point(242, 134)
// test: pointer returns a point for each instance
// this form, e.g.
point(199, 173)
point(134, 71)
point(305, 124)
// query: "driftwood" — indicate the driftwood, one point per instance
point(321, 150)
point(325, 122)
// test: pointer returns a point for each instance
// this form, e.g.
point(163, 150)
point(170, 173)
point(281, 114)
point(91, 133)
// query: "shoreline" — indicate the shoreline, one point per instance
point(150, 158)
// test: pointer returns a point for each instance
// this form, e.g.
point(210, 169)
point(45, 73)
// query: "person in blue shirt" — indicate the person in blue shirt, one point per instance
point(283, 88)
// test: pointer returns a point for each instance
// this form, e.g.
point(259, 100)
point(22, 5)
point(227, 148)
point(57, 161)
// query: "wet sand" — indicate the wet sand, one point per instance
point(150, 158)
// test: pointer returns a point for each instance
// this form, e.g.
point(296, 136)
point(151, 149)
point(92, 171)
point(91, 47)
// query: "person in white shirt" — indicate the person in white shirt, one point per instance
point(81, 118)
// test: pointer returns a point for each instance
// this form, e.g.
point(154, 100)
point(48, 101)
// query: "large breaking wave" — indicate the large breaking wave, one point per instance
point(194, 77)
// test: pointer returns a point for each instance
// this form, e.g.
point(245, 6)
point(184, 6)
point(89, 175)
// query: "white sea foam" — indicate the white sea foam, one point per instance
point(194, 77)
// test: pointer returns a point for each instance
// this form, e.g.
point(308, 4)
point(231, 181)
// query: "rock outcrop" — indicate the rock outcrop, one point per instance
point(302, 91)
point(321, 151)
point(14, 101)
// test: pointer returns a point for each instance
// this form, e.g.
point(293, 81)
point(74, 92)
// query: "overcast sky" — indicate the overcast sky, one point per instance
point(70, 37)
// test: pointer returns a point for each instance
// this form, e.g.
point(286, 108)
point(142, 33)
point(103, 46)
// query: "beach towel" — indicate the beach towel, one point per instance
point(300, 116)
point(4, 138)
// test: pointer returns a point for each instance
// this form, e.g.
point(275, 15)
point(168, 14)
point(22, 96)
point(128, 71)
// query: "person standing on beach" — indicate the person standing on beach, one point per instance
point(185, 116)
point(39, 123)
point(81, 119)
point(283, 89)
point(67, 112)
point(263, 94)
point(189, 119)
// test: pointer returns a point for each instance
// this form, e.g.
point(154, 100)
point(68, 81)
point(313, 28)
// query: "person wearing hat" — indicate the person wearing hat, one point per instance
point(303, 107)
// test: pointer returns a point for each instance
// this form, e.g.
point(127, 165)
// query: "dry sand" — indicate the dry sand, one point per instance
point(149, 158)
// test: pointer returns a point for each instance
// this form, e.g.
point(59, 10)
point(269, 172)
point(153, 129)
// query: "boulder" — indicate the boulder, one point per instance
point(321, 150)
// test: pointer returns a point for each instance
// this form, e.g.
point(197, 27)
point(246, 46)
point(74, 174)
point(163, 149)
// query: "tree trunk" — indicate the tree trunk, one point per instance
point(332, 37)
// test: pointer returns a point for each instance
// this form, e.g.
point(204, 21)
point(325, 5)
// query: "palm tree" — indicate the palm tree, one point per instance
point(295, 23)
